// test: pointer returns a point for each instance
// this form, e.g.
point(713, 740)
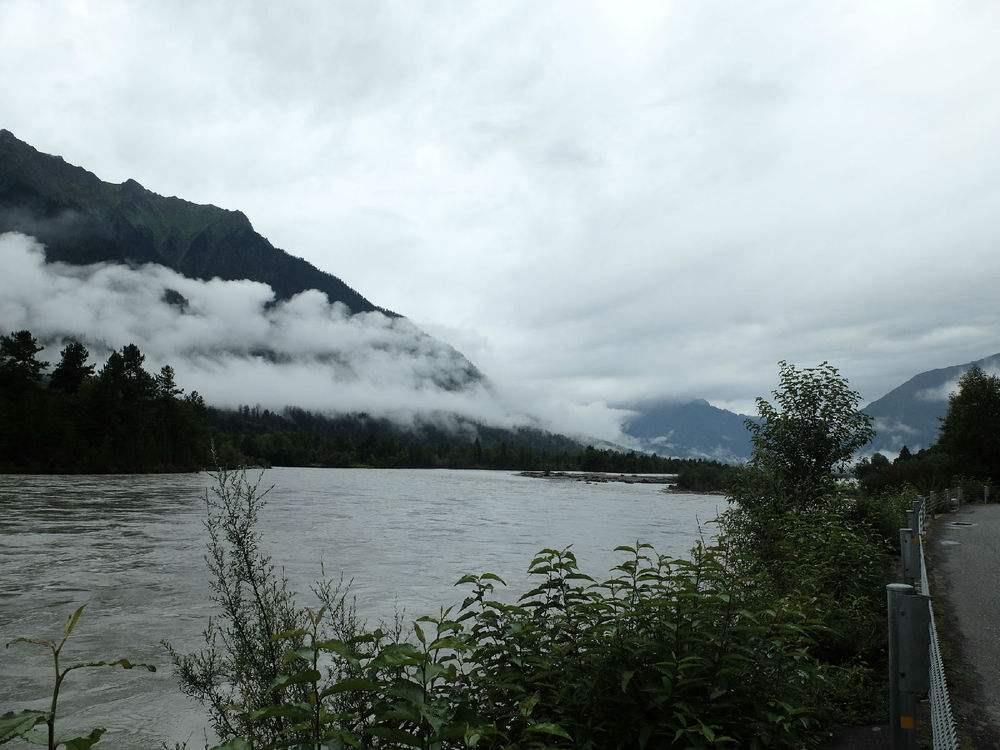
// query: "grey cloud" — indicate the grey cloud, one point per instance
point(624, 202)
point(232, 342)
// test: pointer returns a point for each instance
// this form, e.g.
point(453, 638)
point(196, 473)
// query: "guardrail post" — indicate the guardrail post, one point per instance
point(913, 518)
point(909, 553)
point(909, 661)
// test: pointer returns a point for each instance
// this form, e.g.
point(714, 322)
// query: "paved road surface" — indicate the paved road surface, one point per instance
point(965, 569)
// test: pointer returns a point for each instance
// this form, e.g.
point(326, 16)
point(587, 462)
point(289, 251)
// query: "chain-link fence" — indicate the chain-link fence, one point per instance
point(943, 730)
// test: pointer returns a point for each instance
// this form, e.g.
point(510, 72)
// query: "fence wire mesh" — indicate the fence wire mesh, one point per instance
point(943, 730)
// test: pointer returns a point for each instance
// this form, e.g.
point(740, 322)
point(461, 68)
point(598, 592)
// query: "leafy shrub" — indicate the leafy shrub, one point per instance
point(665, 653)
point(668, 653)
point(235, 674)
point(883, 515)
point(832, 561)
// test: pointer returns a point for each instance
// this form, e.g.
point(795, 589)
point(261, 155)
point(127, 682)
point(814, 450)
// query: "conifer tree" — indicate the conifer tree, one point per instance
point(72, 370)
point(18, 361)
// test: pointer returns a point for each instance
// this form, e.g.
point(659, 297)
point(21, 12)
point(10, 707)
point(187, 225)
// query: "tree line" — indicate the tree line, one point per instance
point(295, 437)
point(69, 418)
point(73, 418)
point(968, 445)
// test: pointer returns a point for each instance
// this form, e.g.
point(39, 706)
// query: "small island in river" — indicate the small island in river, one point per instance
point(602, 476)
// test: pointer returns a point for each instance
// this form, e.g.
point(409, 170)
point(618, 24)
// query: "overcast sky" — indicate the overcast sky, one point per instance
point(605, 201)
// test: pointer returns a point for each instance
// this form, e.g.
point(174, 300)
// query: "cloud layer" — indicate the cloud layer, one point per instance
point(595, 202)
point(232, 342)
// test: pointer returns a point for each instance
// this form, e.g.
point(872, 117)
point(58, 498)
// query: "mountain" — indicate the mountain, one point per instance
point(689, 429)
point(83, 220)
point(911, 414)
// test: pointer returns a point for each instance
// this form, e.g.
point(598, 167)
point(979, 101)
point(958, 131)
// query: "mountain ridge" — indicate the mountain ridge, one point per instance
point(689, 429)
point(82, 220)
point(910, 414)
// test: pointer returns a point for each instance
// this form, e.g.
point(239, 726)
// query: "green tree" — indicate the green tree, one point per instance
point(18, 361)
point(139, 383)
point(166, 385)
point(811, 430)
point(121, 414)
point(970, 432)
point(72, 370)
point(24, 407)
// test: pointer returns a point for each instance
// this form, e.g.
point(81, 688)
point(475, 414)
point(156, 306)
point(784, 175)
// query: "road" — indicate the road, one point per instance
point(964, 562)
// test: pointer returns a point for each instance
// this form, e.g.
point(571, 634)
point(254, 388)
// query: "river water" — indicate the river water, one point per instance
point(131, 548)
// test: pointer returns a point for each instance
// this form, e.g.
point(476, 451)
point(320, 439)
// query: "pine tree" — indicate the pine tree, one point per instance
point(18, 361)
point(72, 370)
point(166, 386)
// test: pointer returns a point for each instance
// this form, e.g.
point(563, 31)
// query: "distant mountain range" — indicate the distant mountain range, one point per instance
point(908, 415)
point(911, 414)
point(689, 429)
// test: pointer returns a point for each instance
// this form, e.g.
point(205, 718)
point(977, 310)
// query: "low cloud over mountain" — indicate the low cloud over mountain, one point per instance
point(235, 343)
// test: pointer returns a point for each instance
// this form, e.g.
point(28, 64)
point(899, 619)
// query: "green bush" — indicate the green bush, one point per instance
point(883, 515)
point(666, 653)
point(832, 561)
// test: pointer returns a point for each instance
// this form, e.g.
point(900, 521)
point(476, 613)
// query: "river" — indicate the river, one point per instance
point(131, 548)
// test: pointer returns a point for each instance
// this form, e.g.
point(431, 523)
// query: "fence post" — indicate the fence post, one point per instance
point(913, 518)
point(909, 661)
point(907, 549)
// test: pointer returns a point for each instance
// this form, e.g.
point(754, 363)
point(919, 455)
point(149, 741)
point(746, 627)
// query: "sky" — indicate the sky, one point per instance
point(596, 202)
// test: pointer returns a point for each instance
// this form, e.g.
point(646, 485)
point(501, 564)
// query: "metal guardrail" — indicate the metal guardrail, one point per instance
point(915, 665)
point(943, 730)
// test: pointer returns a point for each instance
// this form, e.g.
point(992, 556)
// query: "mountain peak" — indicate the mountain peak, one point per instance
point(691, 428)
point(9, 139)
point(41, 195)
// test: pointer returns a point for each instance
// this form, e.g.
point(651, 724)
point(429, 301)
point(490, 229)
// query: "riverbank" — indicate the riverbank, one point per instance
point(596, 477)
point(669, 482)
